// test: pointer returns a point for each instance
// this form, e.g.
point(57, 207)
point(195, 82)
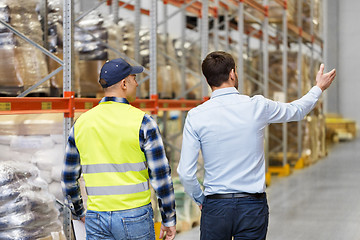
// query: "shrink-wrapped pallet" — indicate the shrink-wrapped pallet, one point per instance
point(168, 72)
point(57, 80)
point(27, 210)
point(89, 38)
point(11, 82)
point(36, 139)
point(276, 12)
point(24, 18)
point(115, 38)
point(32, 68)
point(23, 64)
point(89, 77)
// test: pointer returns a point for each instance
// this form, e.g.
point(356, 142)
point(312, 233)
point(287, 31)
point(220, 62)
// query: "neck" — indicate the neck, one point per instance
point(224, 85)
point(114, 91)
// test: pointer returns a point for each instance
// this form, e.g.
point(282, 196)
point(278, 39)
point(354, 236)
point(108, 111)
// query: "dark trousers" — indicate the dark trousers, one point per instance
point(241, 218)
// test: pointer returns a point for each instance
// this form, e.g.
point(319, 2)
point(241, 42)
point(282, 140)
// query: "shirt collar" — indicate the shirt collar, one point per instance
point(114, 99)
point(224, 91)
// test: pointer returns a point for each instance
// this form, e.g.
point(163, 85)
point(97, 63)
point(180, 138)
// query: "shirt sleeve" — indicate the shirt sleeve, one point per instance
point(294, 111)
point(188, 163)
point(159, 169)
point(70, 176)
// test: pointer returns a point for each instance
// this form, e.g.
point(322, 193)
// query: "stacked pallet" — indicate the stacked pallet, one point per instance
point(22, 64)
point(340, 129)
point(35, 139)
point(292, 13)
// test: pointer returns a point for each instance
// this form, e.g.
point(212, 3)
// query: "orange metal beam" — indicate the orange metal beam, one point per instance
point(71, 104)
point(129, 7)
point(194, 8)
point(190, 9)
point(300, 32)
point(68, 105)
point(223, 5)
point(132, 8)
point(14, 105)
point(282, 3)
point(257, 6)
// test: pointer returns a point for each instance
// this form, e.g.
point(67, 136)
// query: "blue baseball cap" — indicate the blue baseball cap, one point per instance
point(115, 70)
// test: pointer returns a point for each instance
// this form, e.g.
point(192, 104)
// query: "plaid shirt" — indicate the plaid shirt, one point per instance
point(158, 166)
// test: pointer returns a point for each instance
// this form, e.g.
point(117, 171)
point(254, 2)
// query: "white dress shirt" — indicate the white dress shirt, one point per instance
point(229, 131)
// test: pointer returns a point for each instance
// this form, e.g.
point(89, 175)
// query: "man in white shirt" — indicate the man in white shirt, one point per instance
point(229, 131)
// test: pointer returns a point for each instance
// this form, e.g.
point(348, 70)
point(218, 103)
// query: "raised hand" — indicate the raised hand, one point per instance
point(323, 81)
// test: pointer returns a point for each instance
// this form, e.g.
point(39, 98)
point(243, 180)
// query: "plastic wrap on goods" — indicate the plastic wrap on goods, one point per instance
point(27, 210)
point(24, 18)
point(21, 65)
point(54, 18)
point(5, 16)
point(89, 42)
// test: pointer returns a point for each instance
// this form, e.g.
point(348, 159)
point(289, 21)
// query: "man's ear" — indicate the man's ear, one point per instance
point(123, 84)
point(232, 75)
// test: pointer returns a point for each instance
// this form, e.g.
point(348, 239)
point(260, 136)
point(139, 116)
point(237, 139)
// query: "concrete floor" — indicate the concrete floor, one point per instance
point(320, 202)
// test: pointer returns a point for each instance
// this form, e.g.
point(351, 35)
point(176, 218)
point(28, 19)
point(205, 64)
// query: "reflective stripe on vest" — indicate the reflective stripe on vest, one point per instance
point(116, 190)
point(124, 167)
point(113, 165)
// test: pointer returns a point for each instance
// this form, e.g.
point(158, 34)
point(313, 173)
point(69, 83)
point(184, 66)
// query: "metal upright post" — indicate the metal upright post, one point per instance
point(216, 26)
point(183, 55)
point(312, 42)
point(153, 52)
point(284, 80)
point(240, 66)
point(115, 10)
point(153, 64)
point(165, 113)
point(227, 31)
point(45, 19)
point(265, 45)
point(165, 19)
point(204, 40)
point(183, 63)
point(266, 51)
point(137, 24)
point(68, 75)
point(299, 125)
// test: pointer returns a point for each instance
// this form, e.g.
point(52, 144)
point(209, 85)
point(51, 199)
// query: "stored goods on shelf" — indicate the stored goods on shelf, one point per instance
point(23, 64)
point(36, 139)
point(27, 210)
point(292, 13)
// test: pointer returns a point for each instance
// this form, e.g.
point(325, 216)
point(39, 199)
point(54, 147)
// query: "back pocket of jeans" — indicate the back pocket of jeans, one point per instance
point(138, 227)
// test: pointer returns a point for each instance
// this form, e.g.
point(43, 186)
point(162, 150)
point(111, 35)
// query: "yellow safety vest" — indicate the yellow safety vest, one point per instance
point(113, 165)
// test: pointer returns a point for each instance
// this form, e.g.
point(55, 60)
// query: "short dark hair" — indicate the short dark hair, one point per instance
point(216, 67)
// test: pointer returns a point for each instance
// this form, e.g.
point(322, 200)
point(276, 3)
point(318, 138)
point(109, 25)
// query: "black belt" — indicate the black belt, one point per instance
point(235, 195)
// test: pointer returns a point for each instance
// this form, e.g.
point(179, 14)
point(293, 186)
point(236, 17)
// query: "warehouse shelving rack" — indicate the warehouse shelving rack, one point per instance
point(289, 33)
point(69, 104)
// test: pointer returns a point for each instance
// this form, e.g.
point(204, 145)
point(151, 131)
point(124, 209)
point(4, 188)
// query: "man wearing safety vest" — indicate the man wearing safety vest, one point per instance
point(119, 150)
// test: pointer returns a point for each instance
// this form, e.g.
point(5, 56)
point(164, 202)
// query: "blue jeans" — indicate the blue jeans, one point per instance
point(241, 218)
point(135, 223)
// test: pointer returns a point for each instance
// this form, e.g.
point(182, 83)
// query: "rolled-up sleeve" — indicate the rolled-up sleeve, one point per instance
point(70, 176)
